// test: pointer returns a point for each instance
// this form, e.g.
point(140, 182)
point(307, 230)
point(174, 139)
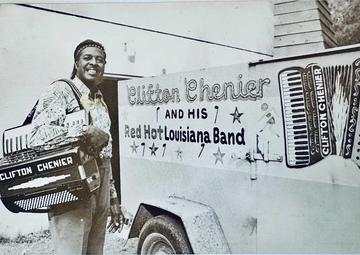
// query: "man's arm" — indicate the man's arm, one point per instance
point(54, 104)
point(117, 217)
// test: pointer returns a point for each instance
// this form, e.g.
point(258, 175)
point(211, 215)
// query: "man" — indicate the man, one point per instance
point(80, 229)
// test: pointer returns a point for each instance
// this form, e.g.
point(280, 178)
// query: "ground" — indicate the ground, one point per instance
point(40, 243)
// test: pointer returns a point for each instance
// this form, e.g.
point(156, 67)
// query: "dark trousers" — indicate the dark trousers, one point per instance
point(82, 230)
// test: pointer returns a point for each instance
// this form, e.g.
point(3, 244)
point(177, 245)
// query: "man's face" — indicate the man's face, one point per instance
point(90, 66)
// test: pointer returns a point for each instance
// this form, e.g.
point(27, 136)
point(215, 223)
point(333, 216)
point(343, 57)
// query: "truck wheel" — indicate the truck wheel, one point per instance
point(163, 235)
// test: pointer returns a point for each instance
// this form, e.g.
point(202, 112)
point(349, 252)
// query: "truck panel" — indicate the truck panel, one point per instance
point(272, 148)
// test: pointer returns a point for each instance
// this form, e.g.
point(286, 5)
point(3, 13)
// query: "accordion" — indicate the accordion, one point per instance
point(320, 107)
point(32, 180)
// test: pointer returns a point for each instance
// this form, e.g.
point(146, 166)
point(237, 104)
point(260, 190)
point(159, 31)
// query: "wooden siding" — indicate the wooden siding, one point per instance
point(302, 26)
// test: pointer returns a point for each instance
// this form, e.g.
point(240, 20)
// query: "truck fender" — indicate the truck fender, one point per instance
point(200, 222)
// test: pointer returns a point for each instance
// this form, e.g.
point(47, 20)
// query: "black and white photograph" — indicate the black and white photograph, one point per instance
point(180, 127)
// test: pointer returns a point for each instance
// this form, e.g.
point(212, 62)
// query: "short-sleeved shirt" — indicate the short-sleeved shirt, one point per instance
point(59, 100)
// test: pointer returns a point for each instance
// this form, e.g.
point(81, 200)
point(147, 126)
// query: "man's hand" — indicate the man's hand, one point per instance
point(117, 218)
point(95, 140)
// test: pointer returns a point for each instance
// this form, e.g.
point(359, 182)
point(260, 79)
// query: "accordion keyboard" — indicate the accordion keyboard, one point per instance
point(16, 139)
point(294, 111)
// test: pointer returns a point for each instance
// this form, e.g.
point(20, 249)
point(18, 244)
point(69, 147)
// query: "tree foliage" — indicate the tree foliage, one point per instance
point(346, 20)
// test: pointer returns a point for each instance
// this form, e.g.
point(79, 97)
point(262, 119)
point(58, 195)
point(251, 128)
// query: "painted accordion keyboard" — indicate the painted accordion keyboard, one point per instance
point(33, 180)
point(320, 107)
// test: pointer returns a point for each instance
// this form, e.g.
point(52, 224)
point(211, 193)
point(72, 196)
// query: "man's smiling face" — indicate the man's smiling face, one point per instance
point(90, 66)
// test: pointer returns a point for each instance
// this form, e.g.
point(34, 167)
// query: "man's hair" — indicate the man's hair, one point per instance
point(83, 45)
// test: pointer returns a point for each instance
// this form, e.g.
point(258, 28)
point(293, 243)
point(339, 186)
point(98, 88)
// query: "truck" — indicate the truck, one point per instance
point(259, 157)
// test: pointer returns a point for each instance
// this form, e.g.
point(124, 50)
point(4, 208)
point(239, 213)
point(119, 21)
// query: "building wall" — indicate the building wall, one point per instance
point(302, 26)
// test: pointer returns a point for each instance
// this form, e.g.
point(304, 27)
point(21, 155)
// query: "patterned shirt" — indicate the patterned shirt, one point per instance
point(59, 100)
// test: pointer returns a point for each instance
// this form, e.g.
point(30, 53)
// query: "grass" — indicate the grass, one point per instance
point(40, 243)
point(32, 237)
point(4, 239)
point(28, 238)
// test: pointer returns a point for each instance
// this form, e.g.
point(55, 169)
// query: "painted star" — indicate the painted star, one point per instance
point(219, 156)
point(179, 153)
point(236, 115)
point(134, 147)
point(153, 148)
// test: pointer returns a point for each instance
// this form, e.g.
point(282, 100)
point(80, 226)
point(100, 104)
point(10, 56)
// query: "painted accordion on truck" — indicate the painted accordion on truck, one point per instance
point(34, 179)
point(320, 107)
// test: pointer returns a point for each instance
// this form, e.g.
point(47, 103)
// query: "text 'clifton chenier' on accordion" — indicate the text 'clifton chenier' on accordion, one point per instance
point(34, 179)
point(320, 108)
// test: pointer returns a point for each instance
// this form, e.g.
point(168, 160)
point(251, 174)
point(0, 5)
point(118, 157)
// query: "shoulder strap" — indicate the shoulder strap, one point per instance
point(75, 90)
point(30, 116)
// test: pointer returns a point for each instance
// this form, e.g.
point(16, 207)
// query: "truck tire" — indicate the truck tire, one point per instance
point(163, 235)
